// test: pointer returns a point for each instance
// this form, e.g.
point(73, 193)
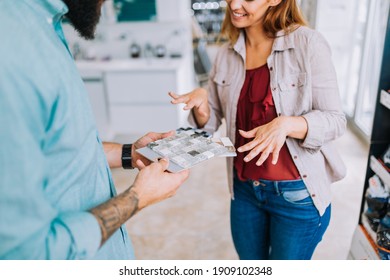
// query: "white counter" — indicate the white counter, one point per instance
point(138, 64)
point(131, 96)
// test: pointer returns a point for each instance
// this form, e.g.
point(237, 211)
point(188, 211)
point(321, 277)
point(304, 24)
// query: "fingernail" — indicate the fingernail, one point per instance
point(246, 159)
point(239, 149)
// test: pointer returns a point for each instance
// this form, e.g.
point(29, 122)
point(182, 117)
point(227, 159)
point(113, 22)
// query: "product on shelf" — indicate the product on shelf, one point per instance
point(378, 214)
point(385, 221)
point(377, 199)
point(383, 254)
point(383, 241)
point(386, 158)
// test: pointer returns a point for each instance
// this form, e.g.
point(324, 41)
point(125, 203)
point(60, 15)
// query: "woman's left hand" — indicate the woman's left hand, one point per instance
point(268, 139)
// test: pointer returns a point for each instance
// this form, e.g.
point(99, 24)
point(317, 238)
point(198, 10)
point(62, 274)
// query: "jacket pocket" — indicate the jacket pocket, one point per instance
point(222, 79)
point(223, 82)
point(292, 82)
point(293, 99)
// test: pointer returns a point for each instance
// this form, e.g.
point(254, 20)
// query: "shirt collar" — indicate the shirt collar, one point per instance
point(53, 10)
point(239, 46)
point(282, 42)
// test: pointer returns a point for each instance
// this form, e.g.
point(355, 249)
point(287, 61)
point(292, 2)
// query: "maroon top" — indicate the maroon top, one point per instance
point(255, 108)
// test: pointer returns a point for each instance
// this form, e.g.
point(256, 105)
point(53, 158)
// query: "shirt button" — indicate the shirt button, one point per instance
point(223, 81)
point(271, 68)
point(313, 195)
point(256, 183)
point(304, 176)
point(295, 157)
point(293, 85)
point(274, 88)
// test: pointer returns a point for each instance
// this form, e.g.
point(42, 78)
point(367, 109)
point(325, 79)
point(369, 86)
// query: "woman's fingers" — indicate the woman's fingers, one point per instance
point(173, 95)
point(275, 157)
point(263, 157)
point(248, 134)
point(189, 105)
point(262, 147)
point(178, 98)
point(255, 151)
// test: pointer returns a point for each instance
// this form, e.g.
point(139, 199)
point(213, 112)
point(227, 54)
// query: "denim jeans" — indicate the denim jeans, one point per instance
point(275, 220)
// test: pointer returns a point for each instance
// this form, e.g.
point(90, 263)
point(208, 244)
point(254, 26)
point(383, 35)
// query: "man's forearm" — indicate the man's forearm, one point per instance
point(113, 213)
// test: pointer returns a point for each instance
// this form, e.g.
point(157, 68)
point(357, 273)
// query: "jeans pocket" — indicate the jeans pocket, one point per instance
point(299, 197)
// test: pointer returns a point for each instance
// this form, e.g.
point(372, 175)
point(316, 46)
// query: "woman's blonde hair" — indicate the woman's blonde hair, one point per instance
point(284, 16)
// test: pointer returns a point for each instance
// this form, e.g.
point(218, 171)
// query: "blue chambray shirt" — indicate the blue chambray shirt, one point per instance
point(52, 164)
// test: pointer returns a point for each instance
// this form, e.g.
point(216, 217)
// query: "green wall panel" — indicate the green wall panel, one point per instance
point(135, 10)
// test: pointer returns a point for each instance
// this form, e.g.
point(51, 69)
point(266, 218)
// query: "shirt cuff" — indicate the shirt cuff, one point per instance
point(315, 132)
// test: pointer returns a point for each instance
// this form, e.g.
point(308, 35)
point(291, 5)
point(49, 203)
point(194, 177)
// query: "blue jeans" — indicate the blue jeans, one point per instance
point(275, 220)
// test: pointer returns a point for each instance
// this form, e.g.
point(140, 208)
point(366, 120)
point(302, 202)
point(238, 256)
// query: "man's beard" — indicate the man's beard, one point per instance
point(84, 15)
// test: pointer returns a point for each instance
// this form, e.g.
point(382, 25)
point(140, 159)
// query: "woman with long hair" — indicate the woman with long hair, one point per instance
point(275, 85)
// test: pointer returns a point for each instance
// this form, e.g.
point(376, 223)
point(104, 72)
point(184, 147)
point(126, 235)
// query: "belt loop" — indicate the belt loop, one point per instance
point(276, 187)
point(262, 184)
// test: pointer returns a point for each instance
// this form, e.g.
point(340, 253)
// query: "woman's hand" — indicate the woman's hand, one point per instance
point(196, 101)
point(270, 138)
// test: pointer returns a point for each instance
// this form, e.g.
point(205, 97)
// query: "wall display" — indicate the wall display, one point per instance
point(135, 10)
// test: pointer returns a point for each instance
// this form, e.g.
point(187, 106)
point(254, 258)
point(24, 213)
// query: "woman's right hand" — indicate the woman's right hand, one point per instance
point(197, 101)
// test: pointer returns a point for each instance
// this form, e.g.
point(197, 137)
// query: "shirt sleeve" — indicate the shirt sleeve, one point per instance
point(31, 225)
point(326, 121)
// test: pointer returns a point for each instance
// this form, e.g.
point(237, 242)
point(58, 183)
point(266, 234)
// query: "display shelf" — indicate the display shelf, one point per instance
point(368, 229)
point(380, 170)
point(362, 246)
point(379, 143)
point(385, 99)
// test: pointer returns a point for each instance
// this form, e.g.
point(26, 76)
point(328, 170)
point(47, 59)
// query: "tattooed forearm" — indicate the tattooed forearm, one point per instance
point(112, 214)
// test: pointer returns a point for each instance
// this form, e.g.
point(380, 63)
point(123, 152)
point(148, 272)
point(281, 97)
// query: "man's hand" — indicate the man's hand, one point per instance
point(153, 183)
point(113, 151)
point(142, 142)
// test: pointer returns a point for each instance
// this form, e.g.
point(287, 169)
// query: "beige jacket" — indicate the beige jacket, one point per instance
point(303, 83)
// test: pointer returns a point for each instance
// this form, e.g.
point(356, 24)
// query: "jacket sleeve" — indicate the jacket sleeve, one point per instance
point(216, 112)
point(31, 225)
point(326, 121)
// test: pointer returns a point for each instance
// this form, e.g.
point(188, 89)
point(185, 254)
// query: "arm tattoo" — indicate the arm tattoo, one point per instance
point(113, 213)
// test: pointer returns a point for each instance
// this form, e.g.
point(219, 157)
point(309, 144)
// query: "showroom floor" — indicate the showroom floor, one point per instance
point(194, 224)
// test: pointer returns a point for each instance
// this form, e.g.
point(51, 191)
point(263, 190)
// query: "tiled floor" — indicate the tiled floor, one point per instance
point(194, 224)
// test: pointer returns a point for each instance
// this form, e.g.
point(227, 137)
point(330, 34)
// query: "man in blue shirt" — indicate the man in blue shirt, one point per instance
point(57, 198)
